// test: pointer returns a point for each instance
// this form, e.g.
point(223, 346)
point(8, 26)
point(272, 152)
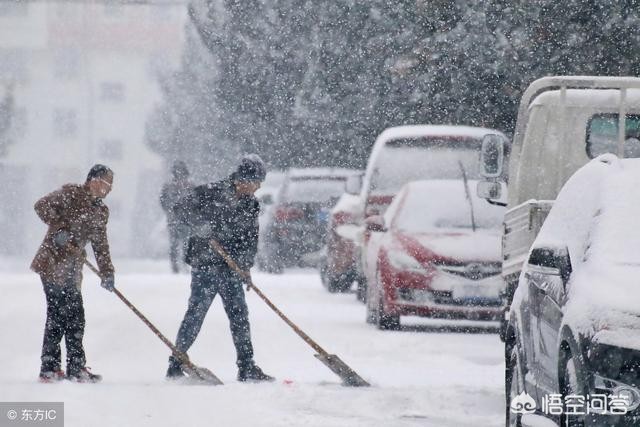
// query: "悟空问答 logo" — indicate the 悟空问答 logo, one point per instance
point(523, 404)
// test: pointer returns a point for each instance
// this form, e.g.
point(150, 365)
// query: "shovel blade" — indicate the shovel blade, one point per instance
point(348, 376)
point(202, 375)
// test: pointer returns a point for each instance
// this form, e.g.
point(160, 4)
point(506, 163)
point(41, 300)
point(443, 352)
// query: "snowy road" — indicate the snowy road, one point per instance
point(420, 376)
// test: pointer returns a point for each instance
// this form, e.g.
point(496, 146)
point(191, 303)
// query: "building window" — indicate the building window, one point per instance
point(14, 8)
point(112, 92)
point(65, 122)
point(111, 149)
point(66, 63)
point(158, 64)
point(19, 122)
point(160, 12)
point(13, 65)
point(113, 9)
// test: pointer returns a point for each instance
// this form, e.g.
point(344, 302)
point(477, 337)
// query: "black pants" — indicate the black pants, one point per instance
point(176, 246)
point(205, 285)
point(65, 318)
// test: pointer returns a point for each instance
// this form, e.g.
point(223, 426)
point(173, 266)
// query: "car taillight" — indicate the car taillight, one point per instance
point(284, 213)
point(340, 218)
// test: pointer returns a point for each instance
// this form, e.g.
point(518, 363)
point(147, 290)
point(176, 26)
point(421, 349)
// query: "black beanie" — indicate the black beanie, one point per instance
point(251, 168)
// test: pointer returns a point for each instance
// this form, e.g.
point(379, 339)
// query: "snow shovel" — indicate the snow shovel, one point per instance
point(200, 374)
point(349, 376)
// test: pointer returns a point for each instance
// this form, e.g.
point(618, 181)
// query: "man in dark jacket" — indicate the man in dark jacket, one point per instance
point(226, 211)
point(75, 216)
point(170, 196)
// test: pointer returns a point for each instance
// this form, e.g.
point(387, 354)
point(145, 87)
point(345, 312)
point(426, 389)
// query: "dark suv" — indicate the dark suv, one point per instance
point(295, 233)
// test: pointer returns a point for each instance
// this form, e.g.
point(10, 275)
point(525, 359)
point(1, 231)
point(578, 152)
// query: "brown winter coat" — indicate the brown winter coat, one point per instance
point(74, 210)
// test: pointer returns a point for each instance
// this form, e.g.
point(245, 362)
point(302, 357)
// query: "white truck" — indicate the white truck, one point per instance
point(563, 122)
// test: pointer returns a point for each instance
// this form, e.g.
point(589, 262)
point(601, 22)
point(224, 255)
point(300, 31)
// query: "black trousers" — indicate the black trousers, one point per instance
point(176, 246)
point(205, 285)
point(65, 318)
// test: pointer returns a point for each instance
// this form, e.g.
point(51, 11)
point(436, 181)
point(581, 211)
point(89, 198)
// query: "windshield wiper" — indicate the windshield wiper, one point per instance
point(467, 194)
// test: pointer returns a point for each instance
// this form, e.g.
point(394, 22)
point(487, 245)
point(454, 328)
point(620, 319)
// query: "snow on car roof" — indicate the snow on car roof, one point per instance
point(413, 131)
point(321, 172)
point(584, 98)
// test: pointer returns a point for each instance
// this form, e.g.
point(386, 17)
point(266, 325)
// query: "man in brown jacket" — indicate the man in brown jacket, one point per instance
point(75, 215)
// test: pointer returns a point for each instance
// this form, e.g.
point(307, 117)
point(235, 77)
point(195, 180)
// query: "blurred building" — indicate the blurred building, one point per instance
point(84, 78)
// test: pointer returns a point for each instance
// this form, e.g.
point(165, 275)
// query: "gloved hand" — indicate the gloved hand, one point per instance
point(108, 283)
point(61, 238)
point(203, 231)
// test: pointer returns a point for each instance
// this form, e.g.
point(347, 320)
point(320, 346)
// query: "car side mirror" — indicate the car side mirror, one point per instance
point(492, 156)
point(552, 261)
point(489, 190)
point(266, 199)
point(375, 223)
point(353, 184)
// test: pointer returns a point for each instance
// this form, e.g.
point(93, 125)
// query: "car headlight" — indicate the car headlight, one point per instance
point(618, 389)
point(630, 394)
point(405, 262)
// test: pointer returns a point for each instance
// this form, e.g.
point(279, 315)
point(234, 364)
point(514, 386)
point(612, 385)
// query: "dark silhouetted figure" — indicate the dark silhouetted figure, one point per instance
point(172, 192)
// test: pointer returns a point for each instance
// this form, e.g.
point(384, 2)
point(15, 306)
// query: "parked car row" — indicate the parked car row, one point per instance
point(569, 306)
point(540, 234)
point(434, 156)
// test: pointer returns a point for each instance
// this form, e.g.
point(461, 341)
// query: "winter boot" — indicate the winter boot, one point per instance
point(253, 373)
point(83, 375)
point(175, 371)
point(51, 376)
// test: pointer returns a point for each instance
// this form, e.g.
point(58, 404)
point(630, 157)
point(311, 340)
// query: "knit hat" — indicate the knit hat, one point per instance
point(251, 168)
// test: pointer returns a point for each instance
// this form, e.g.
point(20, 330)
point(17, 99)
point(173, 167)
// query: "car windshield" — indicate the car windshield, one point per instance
point(311, 189)
point(429, 206)
point(410, 159)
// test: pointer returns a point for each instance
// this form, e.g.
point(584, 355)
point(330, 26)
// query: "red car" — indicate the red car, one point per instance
point(435, 253)
point(408, 153)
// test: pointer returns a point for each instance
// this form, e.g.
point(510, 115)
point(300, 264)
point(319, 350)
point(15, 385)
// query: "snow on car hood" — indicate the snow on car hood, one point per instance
point(482, 245)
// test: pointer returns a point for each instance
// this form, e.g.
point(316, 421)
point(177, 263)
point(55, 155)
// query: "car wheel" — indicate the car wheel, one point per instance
point(340, 283)
point(514, 385)
point(372, 312)
point(324, 279)
point(385, 321)
point(273, 263)
point(572, 382)
point(361, 289)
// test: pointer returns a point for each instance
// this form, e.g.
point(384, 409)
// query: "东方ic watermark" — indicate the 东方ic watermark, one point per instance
point(22, 414)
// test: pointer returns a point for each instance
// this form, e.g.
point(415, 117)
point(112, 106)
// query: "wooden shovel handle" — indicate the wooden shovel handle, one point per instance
point(180, 355)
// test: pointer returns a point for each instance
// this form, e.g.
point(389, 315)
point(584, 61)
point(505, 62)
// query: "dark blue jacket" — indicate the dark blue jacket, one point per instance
point(215, 211)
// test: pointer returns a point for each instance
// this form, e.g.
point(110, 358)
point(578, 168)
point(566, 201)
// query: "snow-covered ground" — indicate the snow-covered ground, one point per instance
point(420, 376)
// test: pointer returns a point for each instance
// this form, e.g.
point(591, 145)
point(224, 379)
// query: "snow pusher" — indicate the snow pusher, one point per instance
point(348, 376)
point(197, 373)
